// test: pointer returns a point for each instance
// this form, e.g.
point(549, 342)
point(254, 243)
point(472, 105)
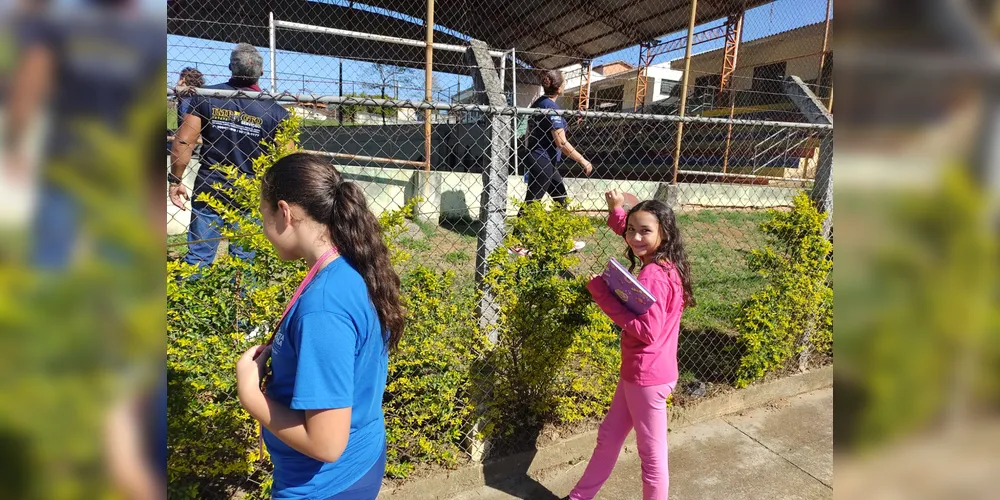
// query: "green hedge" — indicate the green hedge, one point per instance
point(444, 378)
point(797, 298)
point(555, 362)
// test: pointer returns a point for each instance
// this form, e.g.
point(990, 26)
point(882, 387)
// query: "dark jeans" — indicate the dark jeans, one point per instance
point(56, 231)
point(543, 177)
point(56, 227)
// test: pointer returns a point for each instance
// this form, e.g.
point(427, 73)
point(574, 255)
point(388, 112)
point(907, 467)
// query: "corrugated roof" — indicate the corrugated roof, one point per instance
point(546, 33)
point(806, 30)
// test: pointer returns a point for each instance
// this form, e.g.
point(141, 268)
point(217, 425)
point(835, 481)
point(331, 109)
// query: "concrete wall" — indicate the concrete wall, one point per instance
point(458, 194)
point(526, 95)
point(177, 219)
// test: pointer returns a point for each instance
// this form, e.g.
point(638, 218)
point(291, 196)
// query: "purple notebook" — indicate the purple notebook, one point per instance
point(628, 289)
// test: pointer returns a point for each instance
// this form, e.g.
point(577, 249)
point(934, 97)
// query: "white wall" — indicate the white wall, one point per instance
point(656, 75)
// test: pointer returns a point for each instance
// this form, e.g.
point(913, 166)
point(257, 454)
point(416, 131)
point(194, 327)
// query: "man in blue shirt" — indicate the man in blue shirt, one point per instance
point(231, 130)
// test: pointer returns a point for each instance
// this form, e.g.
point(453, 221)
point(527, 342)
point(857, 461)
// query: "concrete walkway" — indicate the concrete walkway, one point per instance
point(783, 450)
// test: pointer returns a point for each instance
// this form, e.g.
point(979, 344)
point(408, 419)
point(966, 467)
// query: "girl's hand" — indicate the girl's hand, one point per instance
point(615, 199)
point(595, 281)
point(252, 365)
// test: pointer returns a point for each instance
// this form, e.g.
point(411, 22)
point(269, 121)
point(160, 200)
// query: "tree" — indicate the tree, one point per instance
point(393, 77)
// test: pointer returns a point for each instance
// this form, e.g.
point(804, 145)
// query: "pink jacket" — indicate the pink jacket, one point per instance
point(649, 341)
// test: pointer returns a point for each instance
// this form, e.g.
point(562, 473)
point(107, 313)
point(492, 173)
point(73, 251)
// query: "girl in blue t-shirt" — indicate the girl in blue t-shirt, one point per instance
point(321, 406)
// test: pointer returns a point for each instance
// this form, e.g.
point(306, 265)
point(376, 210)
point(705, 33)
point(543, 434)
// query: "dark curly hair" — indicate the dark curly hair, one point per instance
point(311, 182)
point(192, 77)
point(671, 245)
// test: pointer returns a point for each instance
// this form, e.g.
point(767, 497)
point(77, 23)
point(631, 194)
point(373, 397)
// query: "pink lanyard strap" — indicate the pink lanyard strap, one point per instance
point(298, 291)
point(302, 286)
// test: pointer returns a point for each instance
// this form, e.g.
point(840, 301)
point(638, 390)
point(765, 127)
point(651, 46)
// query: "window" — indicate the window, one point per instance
point(667, 86)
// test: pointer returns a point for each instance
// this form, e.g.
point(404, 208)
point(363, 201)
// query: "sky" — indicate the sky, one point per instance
point(318, 74)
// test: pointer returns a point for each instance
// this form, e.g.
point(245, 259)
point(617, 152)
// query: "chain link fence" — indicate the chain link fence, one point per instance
point(754, 132)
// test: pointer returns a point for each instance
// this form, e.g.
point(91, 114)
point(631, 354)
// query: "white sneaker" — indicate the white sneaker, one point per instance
point(518, 251)
point(577, 246)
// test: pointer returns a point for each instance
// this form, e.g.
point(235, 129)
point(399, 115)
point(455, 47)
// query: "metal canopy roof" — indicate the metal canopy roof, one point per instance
point(546, 33)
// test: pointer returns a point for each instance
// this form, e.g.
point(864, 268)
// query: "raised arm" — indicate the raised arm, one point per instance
point(616, 211)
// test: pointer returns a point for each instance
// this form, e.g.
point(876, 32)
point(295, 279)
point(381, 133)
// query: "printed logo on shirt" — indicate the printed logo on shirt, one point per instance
point(228, 119)
point(279, 338)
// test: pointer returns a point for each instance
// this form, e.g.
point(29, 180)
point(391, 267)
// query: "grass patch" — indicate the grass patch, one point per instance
point(457, 257)
point(429, 229)
point(177, 239)
point(414, 245)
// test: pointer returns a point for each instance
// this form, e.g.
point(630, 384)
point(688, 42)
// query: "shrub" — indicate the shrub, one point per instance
point(212, 314)
point(427, 405)
point(213, 442)
point(585, 384)
point(557, 354)
point(797, 297)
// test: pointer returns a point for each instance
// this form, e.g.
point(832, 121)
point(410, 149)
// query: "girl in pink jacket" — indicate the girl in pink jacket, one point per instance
point(649, 346)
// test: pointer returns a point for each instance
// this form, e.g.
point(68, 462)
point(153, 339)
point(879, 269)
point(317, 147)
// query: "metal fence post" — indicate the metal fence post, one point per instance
point(814, 111)
point(492, 208)
point(822, 192)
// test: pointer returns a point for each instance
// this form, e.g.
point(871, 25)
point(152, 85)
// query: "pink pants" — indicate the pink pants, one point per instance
point(642, 408)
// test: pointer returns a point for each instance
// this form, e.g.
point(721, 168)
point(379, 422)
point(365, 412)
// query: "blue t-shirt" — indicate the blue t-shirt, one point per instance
point(540, 129)
point(329, 353)
point(231, 133)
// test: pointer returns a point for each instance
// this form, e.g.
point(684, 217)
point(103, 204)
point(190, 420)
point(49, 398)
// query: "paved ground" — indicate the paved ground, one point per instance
point(783, 450)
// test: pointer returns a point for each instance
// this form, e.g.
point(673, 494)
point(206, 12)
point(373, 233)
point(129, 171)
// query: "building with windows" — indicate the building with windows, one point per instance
point(761, 66)
point(612, 86)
